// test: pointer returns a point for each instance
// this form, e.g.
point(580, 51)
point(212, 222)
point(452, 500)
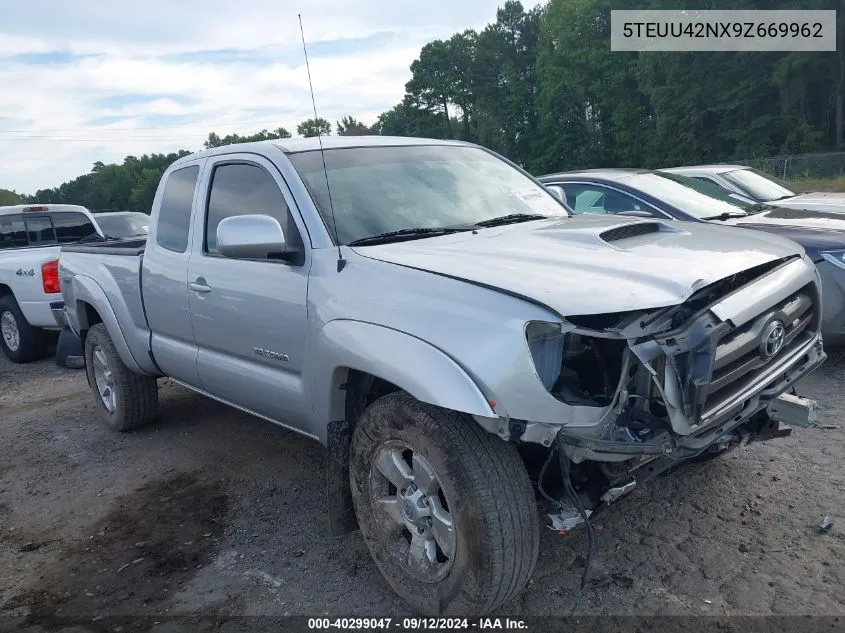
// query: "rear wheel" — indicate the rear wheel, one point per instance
point(126, 400)
point(21, 342)
point(447, 510)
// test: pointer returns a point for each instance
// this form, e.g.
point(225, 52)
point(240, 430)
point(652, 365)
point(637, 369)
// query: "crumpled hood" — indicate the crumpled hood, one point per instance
point(574, 267)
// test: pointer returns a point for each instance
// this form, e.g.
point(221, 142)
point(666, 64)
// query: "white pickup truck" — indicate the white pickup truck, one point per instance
point(31, 303)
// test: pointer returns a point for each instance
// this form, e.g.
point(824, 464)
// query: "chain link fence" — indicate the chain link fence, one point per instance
point(801, 166)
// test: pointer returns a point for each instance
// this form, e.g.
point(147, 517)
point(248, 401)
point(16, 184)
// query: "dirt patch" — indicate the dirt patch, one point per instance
point(133, 559)
point(668, 553)
point(45, 402)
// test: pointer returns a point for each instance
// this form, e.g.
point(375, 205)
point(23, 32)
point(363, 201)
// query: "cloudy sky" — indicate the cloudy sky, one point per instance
point(93, 80)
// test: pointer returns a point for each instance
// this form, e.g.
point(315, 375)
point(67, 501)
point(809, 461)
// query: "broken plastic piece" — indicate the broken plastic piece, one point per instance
point(566, 521)
point(793, 410)
point(619, 491)
point(825, 524)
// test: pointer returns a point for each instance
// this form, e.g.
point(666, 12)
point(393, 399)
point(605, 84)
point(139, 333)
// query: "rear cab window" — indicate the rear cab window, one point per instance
point(20, 230)
point(39, 230)
point(12, 231)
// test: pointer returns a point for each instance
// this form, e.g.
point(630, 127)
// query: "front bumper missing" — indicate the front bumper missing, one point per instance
point(775, 421)
point(770, 396)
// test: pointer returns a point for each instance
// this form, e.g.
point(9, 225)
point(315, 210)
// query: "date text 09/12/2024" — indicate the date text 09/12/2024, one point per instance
point(416, 624)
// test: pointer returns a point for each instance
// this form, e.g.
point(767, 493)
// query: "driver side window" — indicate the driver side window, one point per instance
point(240, 189)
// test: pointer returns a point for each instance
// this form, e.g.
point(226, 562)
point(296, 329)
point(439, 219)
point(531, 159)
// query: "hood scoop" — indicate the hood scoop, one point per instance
point(627, 231)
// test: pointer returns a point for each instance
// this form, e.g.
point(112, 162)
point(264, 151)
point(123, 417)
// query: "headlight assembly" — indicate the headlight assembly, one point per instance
point(545, 342)
point(574, 368)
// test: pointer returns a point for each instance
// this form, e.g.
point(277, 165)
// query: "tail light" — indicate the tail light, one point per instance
point(50, 277)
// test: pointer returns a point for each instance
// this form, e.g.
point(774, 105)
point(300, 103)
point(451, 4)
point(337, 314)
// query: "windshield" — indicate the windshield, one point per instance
point(759, 185)
point(696, 198)
point(114, 225)
point(376, 190)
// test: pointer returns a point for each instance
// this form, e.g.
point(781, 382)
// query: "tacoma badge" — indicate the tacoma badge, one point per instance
point(271, 354)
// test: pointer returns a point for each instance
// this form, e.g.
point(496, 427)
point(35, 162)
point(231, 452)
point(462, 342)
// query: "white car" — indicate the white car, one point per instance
point(122, 224)
point(756, 186)
point(31, 303)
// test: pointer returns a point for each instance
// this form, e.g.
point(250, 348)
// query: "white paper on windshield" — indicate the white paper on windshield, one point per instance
point(538, 201)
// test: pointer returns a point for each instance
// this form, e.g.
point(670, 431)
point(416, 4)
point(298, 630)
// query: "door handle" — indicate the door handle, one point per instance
point(199, 286)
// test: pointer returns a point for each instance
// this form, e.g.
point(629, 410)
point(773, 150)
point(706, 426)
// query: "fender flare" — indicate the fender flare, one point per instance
point(410, 363)
point(86, 290)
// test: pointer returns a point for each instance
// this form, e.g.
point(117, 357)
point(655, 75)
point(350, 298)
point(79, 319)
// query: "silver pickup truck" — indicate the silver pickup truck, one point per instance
point(461, 344)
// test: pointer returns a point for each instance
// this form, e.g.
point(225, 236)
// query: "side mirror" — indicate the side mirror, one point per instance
point(250, 237)
point(558, 191)
point(636, 213)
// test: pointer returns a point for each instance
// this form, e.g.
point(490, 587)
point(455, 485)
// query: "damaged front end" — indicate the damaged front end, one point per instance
point(676, 382)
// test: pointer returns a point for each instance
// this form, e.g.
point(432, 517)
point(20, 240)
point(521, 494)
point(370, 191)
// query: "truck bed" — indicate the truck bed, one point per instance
point(92, 271)
point(129, 246)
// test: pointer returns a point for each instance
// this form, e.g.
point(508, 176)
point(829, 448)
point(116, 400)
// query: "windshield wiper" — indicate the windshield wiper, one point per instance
point(510, 219)
point(759, 208)
point(402, 234)
point(725, 216)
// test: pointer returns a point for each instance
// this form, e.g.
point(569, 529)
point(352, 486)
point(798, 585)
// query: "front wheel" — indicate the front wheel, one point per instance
point(446, 509)
point(125, 399)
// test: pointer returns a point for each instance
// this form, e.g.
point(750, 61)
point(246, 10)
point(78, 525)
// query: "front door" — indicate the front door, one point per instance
point(250, 316)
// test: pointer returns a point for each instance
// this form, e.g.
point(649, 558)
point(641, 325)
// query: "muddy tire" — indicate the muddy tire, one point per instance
point(416, 471)
point(21, 342)
point(126, 400)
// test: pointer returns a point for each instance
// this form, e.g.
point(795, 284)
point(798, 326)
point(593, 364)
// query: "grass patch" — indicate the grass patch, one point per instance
point(819, 184)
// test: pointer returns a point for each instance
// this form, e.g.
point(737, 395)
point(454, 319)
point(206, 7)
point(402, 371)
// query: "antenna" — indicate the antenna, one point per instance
point(340, 261)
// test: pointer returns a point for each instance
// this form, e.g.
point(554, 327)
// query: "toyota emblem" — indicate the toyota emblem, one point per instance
point(772, 340)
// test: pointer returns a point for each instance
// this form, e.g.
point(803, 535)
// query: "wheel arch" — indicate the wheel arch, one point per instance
point(354, 353)
point(91, 306)
point(356, 372)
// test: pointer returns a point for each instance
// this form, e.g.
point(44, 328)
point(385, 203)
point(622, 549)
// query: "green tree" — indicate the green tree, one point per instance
point(440, 81)
point(230, 139)
point(591, 109)
point(505, 83)
point(405, 119)
point(350, 126)
point(8, 197)
point(130, 185)
point(599, 107)
point(144, 190)
point(314, 127)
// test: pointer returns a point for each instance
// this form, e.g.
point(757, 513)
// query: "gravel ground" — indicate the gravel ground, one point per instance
point(213, 512)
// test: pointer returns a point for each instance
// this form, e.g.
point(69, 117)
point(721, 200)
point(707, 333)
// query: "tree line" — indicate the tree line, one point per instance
point(132, 184)
point(541, 86)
